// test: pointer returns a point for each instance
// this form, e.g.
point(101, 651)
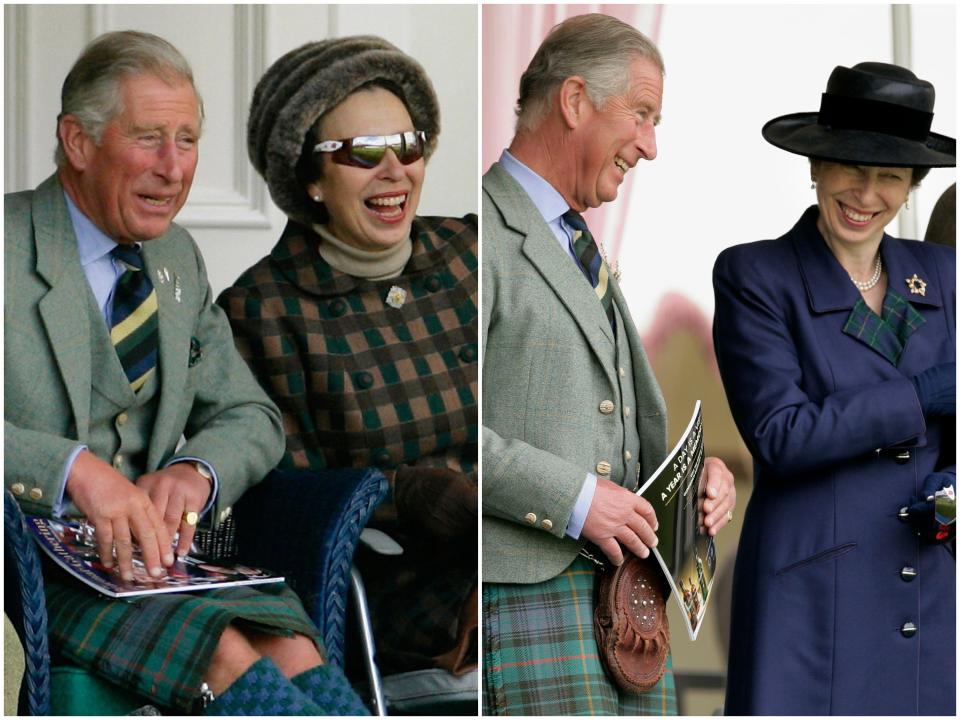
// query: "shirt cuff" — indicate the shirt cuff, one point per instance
point(581, 507)
point(60, 506)
point(214, 480)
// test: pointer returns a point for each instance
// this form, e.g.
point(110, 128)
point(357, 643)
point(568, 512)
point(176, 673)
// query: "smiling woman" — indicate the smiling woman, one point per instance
point(362, 325)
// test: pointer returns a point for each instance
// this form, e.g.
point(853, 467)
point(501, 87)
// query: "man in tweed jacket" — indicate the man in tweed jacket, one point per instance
point(82, 438)
point(573, 419)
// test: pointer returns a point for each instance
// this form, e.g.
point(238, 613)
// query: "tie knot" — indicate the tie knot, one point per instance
point(129, 255)
point(575, 220)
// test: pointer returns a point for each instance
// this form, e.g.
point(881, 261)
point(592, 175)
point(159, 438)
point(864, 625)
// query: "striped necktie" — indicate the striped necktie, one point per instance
point(591, 263)
point(133, 318)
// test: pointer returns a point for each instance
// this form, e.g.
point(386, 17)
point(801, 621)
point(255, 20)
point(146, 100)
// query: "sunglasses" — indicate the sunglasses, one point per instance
point(366, 151)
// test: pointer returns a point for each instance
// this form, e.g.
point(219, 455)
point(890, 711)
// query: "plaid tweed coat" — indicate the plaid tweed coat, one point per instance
point(361, 383)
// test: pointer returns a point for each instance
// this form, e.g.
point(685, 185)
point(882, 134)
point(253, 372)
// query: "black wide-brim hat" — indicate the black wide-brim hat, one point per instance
point(871, 114)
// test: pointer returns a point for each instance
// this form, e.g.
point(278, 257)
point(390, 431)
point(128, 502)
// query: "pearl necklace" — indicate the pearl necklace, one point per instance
point(864, 285)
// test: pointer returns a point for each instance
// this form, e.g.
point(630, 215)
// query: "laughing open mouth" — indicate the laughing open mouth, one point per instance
point(387, 206)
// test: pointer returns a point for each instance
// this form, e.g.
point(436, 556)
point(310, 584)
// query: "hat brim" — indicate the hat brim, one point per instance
point(799, 133)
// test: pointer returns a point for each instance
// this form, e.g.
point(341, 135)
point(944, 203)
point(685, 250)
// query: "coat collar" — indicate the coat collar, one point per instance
point(827, 284)
point(296, 255)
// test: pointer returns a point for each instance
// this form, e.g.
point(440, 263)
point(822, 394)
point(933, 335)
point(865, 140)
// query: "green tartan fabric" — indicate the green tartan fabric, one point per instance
point(160, 646)
point(888, 332)
point(361, 383)
point(540, 655)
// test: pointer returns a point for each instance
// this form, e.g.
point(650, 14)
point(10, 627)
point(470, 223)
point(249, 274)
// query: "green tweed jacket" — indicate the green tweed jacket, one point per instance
point(545, 372)
point(206, 393)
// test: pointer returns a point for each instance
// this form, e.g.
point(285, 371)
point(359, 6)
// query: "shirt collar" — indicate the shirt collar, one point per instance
point(544, 196)
point(92, 242)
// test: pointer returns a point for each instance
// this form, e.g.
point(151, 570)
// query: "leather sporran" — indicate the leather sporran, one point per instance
point(630, 621)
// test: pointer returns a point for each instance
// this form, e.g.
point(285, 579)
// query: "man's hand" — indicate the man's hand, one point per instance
point(716, 508)
point(619, 517)
point(176, 490)
point(121, 513)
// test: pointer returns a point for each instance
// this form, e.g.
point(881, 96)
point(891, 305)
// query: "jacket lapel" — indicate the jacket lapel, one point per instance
point(64, 316)
point(175, 328)
point(543, 251)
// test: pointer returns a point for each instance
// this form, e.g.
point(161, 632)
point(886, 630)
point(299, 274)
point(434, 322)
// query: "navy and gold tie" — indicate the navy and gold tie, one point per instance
point(133, 318)
point(591, 263)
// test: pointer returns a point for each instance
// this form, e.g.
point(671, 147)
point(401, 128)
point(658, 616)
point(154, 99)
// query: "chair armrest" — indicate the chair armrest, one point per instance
point(305, 525)
point(25, 605)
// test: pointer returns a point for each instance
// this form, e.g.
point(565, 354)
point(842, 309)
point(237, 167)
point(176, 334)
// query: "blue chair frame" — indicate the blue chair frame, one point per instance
point(302, 524)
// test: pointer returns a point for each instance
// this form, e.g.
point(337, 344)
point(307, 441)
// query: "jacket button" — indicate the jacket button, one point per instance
point(363, 380)
point(36, 493)
point(626, 411)
point(907, 573)
point(433, 283)
point(18, 489)
point(118, 461)
point(903, 514)
point(546, 524)
point(337, 308)
point(606, 407)
point(122, 418)
point(908, 630)
point(603, 468)
point(530, 518)
point(623, 373)
point(901, 457)
point(627, 455)
point(381, 457)
point(468, 353)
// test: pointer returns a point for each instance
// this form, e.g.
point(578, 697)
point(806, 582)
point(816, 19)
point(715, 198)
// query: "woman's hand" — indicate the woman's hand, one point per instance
point(720, 496)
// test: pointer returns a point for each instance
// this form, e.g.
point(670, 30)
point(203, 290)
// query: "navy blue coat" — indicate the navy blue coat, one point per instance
point(839, 445)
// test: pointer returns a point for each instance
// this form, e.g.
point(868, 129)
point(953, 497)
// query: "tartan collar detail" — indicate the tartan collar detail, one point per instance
point(297, 258)
point(827, 284)
point(887, 333)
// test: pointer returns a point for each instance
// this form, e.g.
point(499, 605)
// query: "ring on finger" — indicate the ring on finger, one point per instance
point(190, 517)
point(729, 515)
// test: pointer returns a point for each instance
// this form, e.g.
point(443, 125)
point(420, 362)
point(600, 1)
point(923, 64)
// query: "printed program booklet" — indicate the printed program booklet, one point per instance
point(687, 556)
point(71, 545)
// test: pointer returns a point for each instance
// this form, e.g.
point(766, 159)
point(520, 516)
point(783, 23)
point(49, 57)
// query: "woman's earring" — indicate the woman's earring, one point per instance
point(813, 184)
point(906, 203)
point(316, 198)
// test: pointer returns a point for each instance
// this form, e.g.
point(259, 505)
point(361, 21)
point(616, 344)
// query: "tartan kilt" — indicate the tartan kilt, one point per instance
point(160, 646)
point(540, 655)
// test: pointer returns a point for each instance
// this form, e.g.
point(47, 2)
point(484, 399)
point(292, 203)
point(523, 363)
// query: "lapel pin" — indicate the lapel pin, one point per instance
point(396, 296)
point(176, 286)
point(916, 285)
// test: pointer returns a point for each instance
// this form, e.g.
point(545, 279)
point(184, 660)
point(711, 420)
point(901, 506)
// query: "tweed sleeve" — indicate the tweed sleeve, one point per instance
point(232, 424)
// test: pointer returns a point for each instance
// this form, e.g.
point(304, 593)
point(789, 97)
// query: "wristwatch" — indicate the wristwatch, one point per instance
point(203, 470)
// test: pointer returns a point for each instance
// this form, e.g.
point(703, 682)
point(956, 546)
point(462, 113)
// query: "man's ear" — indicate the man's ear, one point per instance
point(573, 100)
point(75, 142)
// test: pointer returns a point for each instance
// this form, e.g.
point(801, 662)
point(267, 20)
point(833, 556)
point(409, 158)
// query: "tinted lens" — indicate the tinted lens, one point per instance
point(368, 151)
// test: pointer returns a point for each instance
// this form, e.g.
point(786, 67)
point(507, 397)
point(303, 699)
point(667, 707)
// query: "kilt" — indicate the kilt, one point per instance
point(540, 654)
point(160, 646)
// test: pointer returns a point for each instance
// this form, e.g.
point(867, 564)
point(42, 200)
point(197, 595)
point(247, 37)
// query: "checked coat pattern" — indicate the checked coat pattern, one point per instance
point(361, 383)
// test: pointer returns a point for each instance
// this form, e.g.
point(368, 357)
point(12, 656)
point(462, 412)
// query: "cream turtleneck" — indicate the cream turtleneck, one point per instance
point(368, 264)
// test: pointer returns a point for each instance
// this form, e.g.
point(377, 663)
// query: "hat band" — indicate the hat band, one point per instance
point(852, 113)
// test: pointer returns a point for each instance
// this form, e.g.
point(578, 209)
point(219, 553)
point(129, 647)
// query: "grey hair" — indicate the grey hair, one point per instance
point(596, 47)
point(91, 90)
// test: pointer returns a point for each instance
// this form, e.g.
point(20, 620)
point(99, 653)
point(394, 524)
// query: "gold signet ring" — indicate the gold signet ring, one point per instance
point(190, 518)
point(729, 515)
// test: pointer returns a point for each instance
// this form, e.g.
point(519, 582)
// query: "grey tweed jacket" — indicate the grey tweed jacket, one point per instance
point(547, 365)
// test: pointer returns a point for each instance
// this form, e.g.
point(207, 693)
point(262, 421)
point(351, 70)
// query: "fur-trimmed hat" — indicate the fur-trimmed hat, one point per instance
point(313, 79)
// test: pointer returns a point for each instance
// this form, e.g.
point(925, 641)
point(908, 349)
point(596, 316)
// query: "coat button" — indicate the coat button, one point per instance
point(626, 411)
point(381, 457)
point(907, 573)
point(908, 630)
point(18, 489)
point(337, 308)
point(901, 457)
point(433, 283)
point(603, 468)
point(118, 461)
point(903, 514)
point(606, 407)
point(468, 353)
point(530, 518)
point(623, 373)
point(627, 455)
point(122, 419)
point(546, 524)
point(363, 380)
point(36, 493)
